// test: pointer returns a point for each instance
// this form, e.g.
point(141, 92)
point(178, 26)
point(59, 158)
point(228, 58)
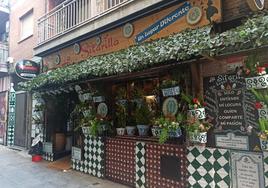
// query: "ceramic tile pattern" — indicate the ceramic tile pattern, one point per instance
point(208, 167)
point(94, 157)
point(140, 165)
point(11, 118)
point(120, 161)
point(265, 160)
point(153, 165)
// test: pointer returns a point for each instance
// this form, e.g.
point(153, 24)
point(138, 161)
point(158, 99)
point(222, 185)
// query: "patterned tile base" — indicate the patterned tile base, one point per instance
point(140, 165)
point(120, 161)
point(208, 167)
point(48, 156)
point(93, 163)
point(154, 153)
point(94, 156)
point(265, 160)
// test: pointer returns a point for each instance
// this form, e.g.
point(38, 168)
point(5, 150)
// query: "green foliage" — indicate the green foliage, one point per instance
point(261, 95)
point(180, 47)
point(121, 115)
point(168, 84)
point(263, 123)
point(143, 114)
point(168, 124)
point(163, 136)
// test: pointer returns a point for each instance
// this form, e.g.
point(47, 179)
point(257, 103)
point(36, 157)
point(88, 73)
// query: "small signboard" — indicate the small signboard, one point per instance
point(27, 69)
point(76, 153)
point(247, 170)
point(48, 147)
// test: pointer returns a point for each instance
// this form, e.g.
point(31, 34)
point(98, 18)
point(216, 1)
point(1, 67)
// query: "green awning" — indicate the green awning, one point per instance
point(180, 47)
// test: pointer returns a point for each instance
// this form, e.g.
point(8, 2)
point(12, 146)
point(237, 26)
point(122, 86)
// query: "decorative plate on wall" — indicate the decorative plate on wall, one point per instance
point(98, 40)
point(194, 15)
point(57, 59)
point(170, 106)
point(128, 30)
point(256, 5)
point(76, 48)
point(102, 109)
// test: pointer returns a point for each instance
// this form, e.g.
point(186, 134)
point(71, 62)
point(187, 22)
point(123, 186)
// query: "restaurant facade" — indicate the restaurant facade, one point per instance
point(172, 97)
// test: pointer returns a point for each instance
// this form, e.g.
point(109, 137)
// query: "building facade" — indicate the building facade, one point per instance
point(116, 65)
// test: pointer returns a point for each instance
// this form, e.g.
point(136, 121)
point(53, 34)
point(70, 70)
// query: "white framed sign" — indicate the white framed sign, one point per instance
point(247, 170)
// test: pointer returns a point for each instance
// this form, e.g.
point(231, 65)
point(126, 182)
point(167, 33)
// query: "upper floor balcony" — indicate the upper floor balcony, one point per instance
point(3, 57)
point(4, 6)
point(76, 18)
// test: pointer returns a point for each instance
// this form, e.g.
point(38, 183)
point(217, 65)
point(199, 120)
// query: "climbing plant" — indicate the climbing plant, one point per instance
point(180, 47)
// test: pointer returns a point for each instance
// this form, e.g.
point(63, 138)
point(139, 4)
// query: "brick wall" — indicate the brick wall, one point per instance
point(23, 49)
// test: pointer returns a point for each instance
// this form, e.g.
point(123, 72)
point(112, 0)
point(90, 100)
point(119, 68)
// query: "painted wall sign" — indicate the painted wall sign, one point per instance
point(171, 21)
point(247, 170)
point(27, 69)
point(232, 110)
point(164, 22)
point(256, 5)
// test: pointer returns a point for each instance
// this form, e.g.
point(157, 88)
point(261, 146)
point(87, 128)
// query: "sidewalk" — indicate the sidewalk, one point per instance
point(18, 171)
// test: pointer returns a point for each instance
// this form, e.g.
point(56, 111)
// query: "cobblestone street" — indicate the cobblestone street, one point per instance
point(18, 171)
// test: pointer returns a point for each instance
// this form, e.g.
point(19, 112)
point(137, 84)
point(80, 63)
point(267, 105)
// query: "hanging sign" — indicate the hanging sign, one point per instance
point(164, 22)
point(27, 69)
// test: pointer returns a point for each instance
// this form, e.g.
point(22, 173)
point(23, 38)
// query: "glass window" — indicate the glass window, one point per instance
point(26, 25)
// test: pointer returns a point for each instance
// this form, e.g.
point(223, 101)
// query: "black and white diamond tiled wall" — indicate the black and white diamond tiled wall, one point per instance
point(140, 165)
point(48, 156)
point(93, 162)
point(208, 167)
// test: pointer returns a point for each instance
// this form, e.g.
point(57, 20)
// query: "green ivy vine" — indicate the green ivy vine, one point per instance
point(181, 46)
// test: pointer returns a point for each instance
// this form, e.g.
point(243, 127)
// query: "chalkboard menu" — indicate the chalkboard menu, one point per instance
point(231, 107)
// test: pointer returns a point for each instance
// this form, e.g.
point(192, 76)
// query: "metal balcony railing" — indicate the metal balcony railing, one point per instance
point(73, 13)
point(3, 57)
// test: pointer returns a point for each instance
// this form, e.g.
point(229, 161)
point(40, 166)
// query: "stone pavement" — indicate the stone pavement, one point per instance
point(18, 171)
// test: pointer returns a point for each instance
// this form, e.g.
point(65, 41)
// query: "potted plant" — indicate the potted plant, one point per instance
point(263, 134)
point(195, 105)
point(170, 88)
point(136, 96)
point(255, 73)
point(197, 129)
point(168, 127)
point(121, 96)
point(143, 118)
point(121, 116)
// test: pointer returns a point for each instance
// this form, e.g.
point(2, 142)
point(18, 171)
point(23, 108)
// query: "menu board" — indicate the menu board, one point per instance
point(231, 107)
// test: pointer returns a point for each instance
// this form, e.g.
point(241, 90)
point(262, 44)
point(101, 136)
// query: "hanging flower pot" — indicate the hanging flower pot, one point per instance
point(202, 137)
point(120, 131)
point(131, 130)
point(264, 144)
point(199, 113)
point(198, 137)
point(258, 82)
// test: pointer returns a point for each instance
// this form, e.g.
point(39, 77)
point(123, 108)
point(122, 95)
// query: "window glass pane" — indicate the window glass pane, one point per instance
point(26, 25)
